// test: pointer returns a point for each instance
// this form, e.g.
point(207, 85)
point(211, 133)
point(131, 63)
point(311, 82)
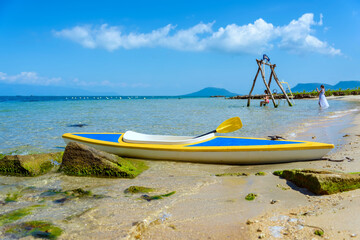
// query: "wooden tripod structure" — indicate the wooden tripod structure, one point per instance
point(267, 84)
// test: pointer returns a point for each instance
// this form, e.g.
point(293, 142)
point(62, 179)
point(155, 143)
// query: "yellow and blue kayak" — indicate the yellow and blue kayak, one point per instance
point(204, 149)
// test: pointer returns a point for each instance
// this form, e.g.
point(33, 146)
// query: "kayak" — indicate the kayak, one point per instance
point(207, 148)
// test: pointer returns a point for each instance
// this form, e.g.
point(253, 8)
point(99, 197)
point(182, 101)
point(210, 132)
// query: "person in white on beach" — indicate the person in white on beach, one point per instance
point(323, 103)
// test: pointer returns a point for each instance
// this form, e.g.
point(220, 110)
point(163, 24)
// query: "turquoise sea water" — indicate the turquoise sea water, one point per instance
point(36, 125)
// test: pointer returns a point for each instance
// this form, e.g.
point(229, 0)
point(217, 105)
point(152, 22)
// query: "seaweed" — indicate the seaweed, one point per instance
point(17, 214)
point(250, 196)
point(156, 197)
point(138, 189)
point(319, 232)
point(36, 229)
point(232, 174)
point(12, 197)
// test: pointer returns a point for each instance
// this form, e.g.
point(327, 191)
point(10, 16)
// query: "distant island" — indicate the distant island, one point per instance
point(309, 87)
point(28, 90)
point(308, 90)
point(211, 92)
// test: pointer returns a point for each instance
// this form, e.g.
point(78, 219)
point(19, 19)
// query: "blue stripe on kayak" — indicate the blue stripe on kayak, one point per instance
point(101, 137)
point(227, 142)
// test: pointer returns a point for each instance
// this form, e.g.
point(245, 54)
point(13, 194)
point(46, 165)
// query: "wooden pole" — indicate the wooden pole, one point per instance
point(267, 86)
point(277, 81)
point(270, 79)
point(248, 103)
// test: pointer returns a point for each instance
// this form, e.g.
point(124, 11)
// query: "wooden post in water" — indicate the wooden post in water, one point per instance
point(252, 88)
point(267, 85)
point(278, 82)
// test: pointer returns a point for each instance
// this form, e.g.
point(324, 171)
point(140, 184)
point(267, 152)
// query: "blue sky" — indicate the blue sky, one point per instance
point(173, 48)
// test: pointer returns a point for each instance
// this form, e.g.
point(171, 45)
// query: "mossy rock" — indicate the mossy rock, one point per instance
point(36, 229)
point(138, 189)
point(239, 174)
point(319, 232)
point(29, 165)
point(12, 197)
point(82, 160)
point(157, 197)
point(17, 214)
point(59, 196)
point(321, 182)
point(250, 196)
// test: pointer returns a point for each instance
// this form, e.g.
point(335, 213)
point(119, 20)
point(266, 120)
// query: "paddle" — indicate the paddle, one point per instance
point(230, 125)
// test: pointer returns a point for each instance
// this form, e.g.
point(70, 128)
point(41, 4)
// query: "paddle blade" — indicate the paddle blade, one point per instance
point(230, 125)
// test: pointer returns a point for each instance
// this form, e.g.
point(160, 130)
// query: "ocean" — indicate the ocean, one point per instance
point(36, 124)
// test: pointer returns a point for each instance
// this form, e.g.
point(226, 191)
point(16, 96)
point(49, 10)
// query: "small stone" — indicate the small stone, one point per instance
point(274, 201)
point(346, 135)
point(313, 137)
point(353, 235)
point(262, 235)
point(259, 230)
point(248, 222)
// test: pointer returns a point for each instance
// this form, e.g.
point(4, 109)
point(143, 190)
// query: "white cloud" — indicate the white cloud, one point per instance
point(247, 38)
point(296, 37)
point(31, 78)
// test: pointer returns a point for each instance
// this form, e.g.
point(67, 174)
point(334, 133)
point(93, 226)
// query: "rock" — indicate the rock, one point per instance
point(29, 165)
point(321, 182)
point(82, 160)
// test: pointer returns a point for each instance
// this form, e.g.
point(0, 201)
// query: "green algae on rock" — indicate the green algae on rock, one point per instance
point(232, 174)
point(321, 182)
point(82, 160)
point(36, 229)
point(250, 196)
point(138, 189)
point(156, 197)
point(260, 174)
point(29, 165)
point(59, 196)
point(12, 197)
point(319, 232)
point(17, 214)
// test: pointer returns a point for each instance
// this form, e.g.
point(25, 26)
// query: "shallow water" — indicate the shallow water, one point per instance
point(37, 126)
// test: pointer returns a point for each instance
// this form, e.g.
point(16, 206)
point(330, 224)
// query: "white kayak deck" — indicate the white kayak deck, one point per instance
point(135, 137)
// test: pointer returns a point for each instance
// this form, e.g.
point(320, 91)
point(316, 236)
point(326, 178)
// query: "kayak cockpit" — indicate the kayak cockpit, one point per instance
point(135, 137)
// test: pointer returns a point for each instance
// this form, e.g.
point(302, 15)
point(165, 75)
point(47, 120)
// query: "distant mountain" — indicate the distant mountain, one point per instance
point(27, 90)
point(211, 91)
point(308, 87)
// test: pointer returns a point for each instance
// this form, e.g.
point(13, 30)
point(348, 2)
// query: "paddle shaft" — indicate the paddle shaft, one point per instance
point(214, 131)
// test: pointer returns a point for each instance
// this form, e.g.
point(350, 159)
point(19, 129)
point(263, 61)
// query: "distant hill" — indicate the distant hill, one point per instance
point(27, 90)
point(211, 91)
point(308, 87)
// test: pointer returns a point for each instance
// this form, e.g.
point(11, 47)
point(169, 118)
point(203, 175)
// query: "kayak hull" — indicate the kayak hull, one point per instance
point(219, 150)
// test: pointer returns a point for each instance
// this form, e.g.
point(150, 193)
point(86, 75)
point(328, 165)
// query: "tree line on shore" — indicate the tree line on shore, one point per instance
point(305, 94)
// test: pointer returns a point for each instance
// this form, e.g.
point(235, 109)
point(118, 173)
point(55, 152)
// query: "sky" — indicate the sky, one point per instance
point(162, 48)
